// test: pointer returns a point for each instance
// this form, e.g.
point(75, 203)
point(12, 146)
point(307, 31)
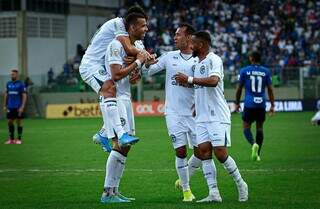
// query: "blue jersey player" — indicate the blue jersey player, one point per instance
point(254, 78)
point(14, 103)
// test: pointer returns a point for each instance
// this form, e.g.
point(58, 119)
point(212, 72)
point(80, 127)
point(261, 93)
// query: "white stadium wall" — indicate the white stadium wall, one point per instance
point(8, 55)
point(44, 53)
point(76, 33)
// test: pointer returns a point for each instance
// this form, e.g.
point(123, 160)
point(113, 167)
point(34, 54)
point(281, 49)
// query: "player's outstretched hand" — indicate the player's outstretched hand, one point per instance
point(181, 78)
point(128, 60)
point(151, 61)
point(271, 111)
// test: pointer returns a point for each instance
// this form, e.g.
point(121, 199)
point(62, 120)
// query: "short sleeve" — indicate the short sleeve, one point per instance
point(120, 29)
point(162, 61)
point(269, 79)
point(114, 51)
point(242, 77)
point(22, 88)
point(215, 67)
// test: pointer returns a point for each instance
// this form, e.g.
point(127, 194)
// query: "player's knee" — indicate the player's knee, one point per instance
point(205, 151)
point(181, 152)
point(221, 154)
point(10, 122)
point(196, 152)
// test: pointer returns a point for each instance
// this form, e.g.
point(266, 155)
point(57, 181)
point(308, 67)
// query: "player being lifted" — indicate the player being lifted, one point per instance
point(255, 78)
point(93, 72)
point(213, 121)
point(116, 71)
point(179, 103)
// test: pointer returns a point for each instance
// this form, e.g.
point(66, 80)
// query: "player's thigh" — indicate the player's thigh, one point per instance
point(94, 75)
point(12, 114)
point(202, 134)
point(190, 124)
point(219, 134)
point(248, 115)
point(176, 130)
point(260, 115)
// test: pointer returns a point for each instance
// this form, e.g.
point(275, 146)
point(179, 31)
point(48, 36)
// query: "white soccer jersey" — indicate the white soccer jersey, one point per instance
point(102, 38)
point(179, 99)
point(115, 55)
point(210, 103)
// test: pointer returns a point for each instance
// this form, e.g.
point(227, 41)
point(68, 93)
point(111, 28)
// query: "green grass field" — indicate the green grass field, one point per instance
point(59, 167)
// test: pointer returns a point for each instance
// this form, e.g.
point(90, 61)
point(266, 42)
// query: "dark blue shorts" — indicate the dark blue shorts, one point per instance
point(251, 115)
point(13, 113)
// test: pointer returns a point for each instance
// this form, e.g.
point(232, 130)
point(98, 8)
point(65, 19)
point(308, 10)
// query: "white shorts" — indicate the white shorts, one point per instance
point(94, 75)
point(217, 133)
point(126, 117)
point(181, 130)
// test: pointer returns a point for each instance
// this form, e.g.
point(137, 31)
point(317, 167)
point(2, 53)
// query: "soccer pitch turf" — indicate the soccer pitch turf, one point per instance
point(58, 166)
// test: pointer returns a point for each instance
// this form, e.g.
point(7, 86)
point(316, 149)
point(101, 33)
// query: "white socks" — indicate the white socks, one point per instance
point(112, 114)
point(182, 170)
point(231, 167)
point(194, 163)
point(114, 170)
point(210, 174)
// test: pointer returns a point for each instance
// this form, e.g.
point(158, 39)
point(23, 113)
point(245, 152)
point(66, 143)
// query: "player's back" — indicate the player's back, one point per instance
point(255, 79)
point(102, 38)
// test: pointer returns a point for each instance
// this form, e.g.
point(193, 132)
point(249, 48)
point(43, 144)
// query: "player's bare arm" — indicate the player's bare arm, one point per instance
point(5, 101)
point(24, 99)
point(238, 96)
point(271, 98)
point(118, 72)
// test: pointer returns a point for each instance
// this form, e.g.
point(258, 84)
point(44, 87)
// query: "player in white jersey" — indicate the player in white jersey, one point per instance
point(115, 67)
point(179, 104)
point(92, 67)
point(212, 116)
point(124, 106)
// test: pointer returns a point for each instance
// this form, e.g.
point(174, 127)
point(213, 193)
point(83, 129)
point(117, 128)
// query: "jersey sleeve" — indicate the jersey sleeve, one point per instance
point(22, 88)
point(159, 66)
point(114, 56)
point(268, 79)
point(120, 28)
point(215, 68)
point(242, 77)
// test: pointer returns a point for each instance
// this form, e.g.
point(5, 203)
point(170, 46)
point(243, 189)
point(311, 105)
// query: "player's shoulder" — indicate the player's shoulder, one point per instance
point(265, 69)
point(173, 54)
point(213, 57)
point(170, 55)
point(115, 44)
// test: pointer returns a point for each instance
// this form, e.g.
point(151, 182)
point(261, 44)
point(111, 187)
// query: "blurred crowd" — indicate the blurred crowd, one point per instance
point(285, 32)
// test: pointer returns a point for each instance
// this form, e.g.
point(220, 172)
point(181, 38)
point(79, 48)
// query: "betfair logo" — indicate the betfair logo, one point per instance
point(80, 111)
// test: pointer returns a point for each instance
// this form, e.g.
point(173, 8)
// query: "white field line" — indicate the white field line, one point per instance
point(292, 170)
